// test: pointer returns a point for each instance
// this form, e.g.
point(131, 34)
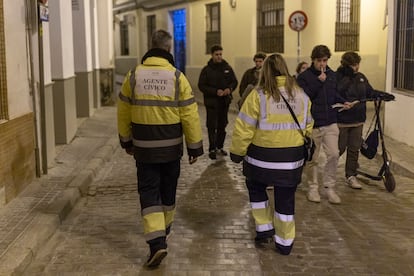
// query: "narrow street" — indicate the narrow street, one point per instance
point(370, 233)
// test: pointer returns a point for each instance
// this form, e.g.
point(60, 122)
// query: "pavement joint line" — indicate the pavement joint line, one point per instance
point(43, 226)
point(75, 189)
point(31, 211)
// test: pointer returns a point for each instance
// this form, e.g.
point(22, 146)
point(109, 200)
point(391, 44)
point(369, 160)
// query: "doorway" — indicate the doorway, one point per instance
point(179, 33)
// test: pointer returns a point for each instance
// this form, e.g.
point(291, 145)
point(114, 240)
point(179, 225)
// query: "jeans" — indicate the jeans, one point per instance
point(216, 124)
point(350, 140)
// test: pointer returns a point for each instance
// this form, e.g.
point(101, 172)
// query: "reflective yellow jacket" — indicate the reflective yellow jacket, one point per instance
point(162, 108)
point(268, 138)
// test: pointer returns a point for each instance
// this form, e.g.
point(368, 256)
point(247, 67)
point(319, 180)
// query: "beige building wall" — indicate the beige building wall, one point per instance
point(238, 28)
point(373, 42)
point(238, 37)
point(239, 42)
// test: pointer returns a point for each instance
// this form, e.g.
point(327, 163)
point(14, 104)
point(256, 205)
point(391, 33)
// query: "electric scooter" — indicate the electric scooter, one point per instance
point(384, 173)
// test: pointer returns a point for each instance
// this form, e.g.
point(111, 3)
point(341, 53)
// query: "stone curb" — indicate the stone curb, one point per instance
point(44, 225)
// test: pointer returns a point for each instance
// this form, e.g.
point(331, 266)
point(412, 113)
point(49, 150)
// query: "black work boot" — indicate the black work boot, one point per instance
point(212, 155)
point(158, 251)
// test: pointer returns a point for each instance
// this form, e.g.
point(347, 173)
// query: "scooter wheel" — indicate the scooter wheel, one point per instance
point(389, 182)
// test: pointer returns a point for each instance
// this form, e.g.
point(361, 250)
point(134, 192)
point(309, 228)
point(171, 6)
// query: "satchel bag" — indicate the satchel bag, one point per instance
point(370, 145)
point(308, 145)
point(309, 148)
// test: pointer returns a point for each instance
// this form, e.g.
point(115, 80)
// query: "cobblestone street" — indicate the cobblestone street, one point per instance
point(370, 233)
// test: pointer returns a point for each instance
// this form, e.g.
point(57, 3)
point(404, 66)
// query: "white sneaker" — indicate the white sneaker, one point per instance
point(313, 195)
point(332, 196)
point(353, 182)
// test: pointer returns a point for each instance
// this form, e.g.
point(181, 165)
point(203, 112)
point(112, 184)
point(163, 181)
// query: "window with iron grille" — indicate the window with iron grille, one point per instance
point(270, 25)
point(150, 29)
point(123, 27)
point(347, 25)
point(404, 47)
point(213, 29)
point(3, 78)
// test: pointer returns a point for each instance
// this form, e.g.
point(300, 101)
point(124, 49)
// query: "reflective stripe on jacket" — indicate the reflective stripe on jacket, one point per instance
point(266, 134)
point(157, 111)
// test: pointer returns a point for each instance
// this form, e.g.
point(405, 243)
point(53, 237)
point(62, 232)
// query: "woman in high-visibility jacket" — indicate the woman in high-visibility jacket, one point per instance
point(270, 144)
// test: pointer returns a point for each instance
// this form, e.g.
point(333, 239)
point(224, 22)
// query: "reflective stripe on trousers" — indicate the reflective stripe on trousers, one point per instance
point(282, 220)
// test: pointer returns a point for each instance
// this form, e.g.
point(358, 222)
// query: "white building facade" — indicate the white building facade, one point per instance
point(53, 71)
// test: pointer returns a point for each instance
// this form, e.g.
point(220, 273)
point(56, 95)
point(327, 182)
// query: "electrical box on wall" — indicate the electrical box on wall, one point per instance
point(43, 10)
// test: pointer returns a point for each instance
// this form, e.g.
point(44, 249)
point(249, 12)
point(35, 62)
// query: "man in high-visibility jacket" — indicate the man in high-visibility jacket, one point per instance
point(156, 107)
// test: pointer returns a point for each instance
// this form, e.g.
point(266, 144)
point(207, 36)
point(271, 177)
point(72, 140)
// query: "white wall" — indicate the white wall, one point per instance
point(19, 98)
point(105, 33)
point(47, 66)
point(82, 37)
point(61, 39)
point(95, 34)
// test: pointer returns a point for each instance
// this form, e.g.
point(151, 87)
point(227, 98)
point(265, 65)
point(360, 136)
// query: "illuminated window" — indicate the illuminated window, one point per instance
point(150, 29)
point(347, 25)
point(270, 25)
point(213, 29)
point(124, 33)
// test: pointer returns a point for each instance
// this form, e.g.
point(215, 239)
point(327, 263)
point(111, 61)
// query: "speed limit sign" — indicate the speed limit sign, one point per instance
point(298, 20)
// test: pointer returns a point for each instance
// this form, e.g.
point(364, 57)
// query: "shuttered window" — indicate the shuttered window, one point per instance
point(123, 28)
point(404, 48)
point(270, 25)
point(213, 29)
point(150, 29)
point(347, 25)
point(3, 78)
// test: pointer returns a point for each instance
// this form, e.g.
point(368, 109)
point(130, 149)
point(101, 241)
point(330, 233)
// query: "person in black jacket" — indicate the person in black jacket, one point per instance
point(217, 81)
point(319, 83)
point(353, 86)
point(251, 76)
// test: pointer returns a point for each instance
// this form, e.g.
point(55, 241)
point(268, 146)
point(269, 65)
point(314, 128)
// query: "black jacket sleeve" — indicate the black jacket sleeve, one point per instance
point(203, 83)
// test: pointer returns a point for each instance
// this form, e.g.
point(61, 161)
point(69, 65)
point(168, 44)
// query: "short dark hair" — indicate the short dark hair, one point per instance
point(161, 39)
point(350, 58)
point(215, 48)
point(320, 51)
point(259, 55)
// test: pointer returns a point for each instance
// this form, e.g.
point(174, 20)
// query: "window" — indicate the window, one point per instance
point(3, 78)
point(404, 47)
point(213, 33)
point(347, 25)
point(123, 27)
point(270, 25)
point(150, 29)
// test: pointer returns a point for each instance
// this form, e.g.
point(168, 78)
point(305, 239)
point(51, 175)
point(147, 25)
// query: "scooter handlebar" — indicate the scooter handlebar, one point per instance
point(384, 96)
point(380, 96)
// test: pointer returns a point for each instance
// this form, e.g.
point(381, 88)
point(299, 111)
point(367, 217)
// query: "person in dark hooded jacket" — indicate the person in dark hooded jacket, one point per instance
point(353, 86)
point(217, 81)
